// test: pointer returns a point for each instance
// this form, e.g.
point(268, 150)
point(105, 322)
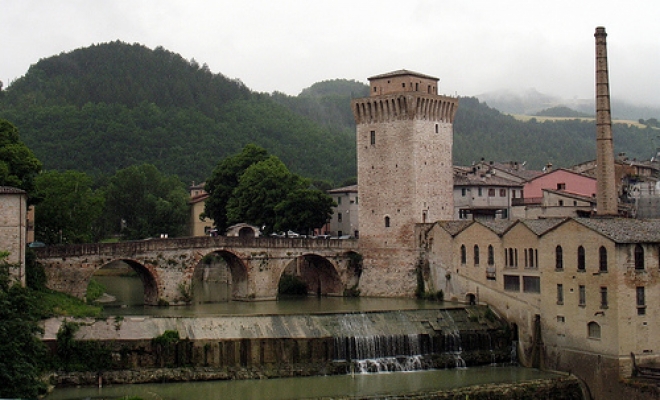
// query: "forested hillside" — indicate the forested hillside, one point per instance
point(113, 105)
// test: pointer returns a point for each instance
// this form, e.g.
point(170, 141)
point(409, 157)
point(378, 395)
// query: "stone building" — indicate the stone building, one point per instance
point(344, 220)
point(405, 174)
point(479, 193)
point(13, 228)
point(580, 291)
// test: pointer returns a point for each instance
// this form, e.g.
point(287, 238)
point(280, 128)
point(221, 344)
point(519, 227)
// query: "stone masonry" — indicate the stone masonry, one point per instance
point(405, 174)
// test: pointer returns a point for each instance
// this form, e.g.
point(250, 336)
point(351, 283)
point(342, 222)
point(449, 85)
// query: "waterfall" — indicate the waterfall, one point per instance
point(453, 342)
point(369, 351)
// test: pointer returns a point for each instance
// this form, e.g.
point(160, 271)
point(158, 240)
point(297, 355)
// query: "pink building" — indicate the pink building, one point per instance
point(560, 180)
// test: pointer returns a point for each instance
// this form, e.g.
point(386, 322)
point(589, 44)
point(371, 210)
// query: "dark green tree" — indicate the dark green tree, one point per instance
point(224, 180)
point(260, 189)
point(303, 210)
point(69, 210)
point(142, 202)
point(18, 165)
point(21, 363)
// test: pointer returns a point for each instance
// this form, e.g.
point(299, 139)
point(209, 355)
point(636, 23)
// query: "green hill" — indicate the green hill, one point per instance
point(112, 105)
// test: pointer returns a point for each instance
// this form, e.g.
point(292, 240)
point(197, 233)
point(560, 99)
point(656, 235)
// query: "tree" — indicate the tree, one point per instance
point(141, 202)
point(224, 180)
point(21, 364)
point(69, 210)
point(304, 210)
point(18, 165)
point(260, 189)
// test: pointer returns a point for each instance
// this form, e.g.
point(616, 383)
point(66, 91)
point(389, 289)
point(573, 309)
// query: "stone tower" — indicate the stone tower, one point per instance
point(606, 192)
point(405, 174)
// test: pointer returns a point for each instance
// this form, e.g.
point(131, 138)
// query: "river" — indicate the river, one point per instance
point(382, 384)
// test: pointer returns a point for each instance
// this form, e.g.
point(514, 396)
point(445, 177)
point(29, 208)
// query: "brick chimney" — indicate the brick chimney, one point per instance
point(606, 193)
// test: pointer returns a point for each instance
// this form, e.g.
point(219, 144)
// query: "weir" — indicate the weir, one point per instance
point(258, 346)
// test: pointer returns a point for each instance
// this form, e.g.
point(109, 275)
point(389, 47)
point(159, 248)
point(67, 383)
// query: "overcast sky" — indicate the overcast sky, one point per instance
point(473, 46)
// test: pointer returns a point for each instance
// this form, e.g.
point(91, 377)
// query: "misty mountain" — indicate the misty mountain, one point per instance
point(530, 102)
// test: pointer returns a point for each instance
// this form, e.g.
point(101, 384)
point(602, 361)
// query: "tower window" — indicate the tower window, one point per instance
point(373, 137)
point(436, 128)
point(476, 255)
point(639, 257)
point(641, 301)
point(559, 258)
point(581, 266)
point(602, 259)
point(560, 293)
point(582, 295)
point(603, 297)
point(387, 222)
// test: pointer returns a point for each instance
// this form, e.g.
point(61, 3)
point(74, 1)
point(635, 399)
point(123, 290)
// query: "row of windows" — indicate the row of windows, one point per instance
point(530, 284)
point(491, 255)
point(582, 297)
point(531, 257)
point(602, 258)
point(491, 192)
point(510, 256)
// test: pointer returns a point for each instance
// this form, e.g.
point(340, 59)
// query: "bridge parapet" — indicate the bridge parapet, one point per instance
point(143, 246)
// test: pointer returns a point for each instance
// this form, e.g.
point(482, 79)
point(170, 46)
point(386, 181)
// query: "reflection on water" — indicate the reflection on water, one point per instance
point(129, 295)
point(319, 386)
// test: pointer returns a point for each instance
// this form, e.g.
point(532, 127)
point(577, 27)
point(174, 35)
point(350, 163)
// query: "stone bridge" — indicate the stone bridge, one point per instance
point(252, 267)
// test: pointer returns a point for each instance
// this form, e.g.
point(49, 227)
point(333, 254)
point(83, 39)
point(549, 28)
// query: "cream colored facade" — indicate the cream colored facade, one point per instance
point(344, 220)
point(405, 174)
point(13, 228)
point(582, 292)
point(198, 226)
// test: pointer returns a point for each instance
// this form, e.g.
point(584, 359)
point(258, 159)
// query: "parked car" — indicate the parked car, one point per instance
point(37, 244)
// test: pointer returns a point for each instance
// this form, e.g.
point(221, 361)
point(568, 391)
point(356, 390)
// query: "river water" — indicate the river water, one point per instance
point(128, 293)
point(382, 384)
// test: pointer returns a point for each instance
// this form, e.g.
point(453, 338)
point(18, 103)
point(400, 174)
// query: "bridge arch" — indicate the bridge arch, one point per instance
point(147, 276)
point(318, 273)
point(220, 275)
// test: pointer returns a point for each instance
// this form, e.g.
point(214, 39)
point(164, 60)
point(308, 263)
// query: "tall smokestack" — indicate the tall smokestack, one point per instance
point(606, 197)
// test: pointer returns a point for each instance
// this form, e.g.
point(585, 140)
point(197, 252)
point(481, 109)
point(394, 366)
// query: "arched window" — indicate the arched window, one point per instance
point(476, 254)
point(559, 258)
point(639, 257)
point(602, 259)
point(387, 222)
point(511, 260)
point(581, 259)
point(593, 330)
point(491, 255)
point(463, 254)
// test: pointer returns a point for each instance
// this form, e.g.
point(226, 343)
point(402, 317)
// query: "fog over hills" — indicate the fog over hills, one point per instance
point(531, 101)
